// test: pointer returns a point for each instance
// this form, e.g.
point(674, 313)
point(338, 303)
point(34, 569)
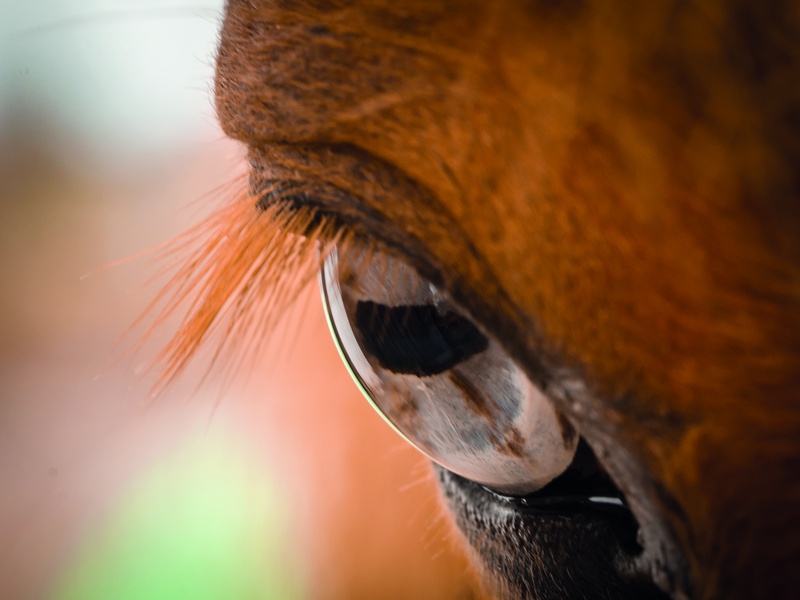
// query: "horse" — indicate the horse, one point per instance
point(561, 256)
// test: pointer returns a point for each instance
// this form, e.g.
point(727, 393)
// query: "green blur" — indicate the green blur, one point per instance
point(203, 525)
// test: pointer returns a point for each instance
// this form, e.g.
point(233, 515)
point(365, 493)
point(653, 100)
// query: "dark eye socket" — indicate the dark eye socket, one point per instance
point(416, 339)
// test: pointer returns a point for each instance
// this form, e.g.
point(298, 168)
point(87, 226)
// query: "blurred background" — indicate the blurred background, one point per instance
point(283, 485)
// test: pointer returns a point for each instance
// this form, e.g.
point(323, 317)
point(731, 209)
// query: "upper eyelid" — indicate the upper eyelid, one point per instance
point(354, 188)
point(323, 222)
point(349, 187)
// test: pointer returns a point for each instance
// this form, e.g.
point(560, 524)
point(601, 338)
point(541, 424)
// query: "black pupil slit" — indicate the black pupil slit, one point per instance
point(416, 339)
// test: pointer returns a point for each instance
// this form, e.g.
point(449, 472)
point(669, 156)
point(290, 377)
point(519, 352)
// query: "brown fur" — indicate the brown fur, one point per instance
point(611, 189)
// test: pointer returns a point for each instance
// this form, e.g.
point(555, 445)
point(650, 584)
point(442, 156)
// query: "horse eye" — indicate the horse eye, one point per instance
point(441, 382)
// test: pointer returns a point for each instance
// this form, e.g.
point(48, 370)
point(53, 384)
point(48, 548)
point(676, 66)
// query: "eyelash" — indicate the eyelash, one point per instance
point(240, 270)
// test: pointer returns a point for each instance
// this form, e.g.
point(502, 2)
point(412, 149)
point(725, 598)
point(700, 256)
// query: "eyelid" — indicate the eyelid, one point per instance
point(348, 208)
point(355, 187)
point(382, 206)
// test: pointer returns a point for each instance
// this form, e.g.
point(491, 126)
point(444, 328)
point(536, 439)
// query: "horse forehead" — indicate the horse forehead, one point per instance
point(596, 172)
point(390, 74)
point(464, 97)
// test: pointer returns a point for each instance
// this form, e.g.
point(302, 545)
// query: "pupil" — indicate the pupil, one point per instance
point(416, 339)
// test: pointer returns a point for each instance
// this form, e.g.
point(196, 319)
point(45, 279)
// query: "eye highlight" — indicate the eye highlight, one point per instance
point(441, 382)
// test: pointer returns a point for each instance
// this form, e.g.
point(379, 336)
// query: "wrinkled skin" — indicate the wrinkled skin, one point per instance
point(611, 190)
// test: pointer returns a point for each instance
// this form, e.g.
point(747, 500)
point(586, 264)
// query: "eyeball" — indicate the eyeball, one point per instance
point(439, 380)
